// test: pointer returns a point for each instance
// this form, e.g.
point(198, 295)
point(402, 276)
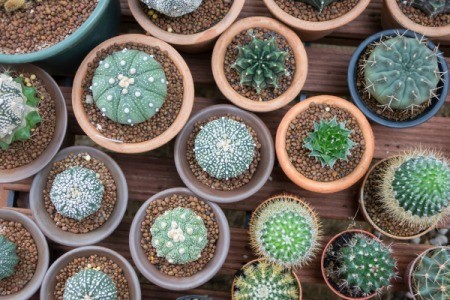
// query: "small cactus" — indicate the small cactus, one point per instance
point(12, 5)
point(129, 87)
point(260, 64)
point(285, 231)
point(173, 8)
point(329, 142)
point(262, 280)
point(8, 258)
point(90, 284)
point(318, 4)
point(77, 193)
point(179, 235)
point(431, 7)
point(224, 148)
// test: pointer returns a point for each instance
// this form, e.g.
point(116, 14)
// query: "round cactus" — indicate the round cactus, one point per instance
point(179, 235)
point(224, 148)
point(260, 64)
point(129, 86)
point(318, 4)
point(12, 5)
point(402, 73)
point(431, 7)
point(8, 257)
point(90, 284)
point(173, 8)
point(77, 193)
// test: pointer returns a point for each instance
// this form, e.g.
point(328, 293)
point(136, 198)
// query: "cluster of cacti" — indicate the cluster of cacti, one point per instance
point(179, 235)
point(285, 230)
point(329, 142)
point(18, 113)
point(431, 275)
point(90, 284)
point(318, 4)
point(8, 257)
point(173, 8)
point(224, 148)
point(129, 86)
point(262, 280)
point(431, 7)
point(260, 64)
point(77, 193)
point(402, 73)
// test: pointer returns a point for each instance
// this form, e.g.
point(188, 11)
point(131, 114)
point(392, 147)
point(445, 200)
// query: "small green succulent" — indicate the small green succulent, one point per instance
point(90, 284)
point(318, 4)
point(431, 7)
point(8, 257)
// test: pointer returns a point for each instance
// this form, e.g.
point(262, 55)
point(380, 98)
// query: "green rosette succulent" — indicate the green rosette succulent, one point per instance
point(8, 257)
point(432, 7)
point(90, 284)
point(319, 5)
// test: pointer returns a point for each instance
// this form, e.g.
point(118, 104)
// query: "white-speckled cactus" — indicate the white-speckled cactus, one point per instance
point(8, 257)
point(89, 284)
point(129, 86)
point(173, 8)
point(179, 235)
point(77, 193)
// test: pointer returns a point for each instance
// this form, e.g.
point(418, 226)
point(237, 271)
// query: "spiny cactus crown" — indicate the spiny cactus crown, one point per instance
point(262, 280)
point(90, 284)
point(179, 235)
point(285, 231)
point(329, 142)
point(18, 113)
point(318, 4)
point(365, 265)
point(77, 193)
point(402, 73)
point(224, 148)
point(260, 64)
point(431, 7)
point(431, 275)
point(173, 8)
point(129, 86)
point(8, 257)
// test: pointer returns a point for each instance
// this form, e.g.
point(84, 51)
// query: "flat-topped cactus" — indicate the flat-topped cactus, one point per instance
point(129, 86)
point(224, 148)
point(77, 193)
point(319, 5)
point(173, 8)
point(431, 7)
point(90, 284)
point(179, 235)
point(8, 257)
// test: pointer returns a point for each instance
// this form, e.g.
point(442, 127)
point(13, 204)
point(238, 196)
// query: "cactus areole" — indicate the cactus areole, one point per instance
point(8, 257)
point(173, 8)
point(90, 284)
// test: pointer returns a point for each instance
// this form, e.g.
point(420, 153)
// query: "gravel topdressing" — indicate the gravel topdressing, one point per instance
point(418, 16)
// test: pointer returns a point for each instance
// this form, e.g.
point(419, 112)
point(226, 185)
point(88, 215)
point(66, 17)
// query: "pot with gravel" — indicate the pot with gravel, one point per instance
point(92, 272)
point(179, 241)
point(224, 154)
point(33, 121)
point(259, 64)
point(80, 197)
point(24, 256)
point(398, 78)
point(324, 144)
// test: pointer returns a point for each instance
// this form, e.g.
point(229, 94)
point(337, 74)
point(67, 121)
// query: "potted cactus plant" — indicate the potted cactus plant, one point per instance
point(407, 195)
point(356, 265)
point(259, 64)
point(393, 88)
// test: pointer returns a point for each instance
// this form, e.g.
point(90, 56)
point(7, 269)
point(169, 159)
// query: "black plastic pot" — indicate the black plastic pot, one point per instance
point(427, 114)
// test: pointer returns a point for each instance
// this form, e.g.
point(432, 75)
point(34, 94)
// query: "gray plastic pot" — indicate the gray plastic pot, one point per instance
point(49, 283)
point(43, 254)
point(264, 168)
point(47, 224)
point(170, 282)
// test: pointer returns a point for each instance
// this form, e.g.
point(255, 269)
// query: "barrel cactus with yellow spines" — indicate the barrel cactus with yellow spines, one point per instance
point(90, 284)
point(8, 257)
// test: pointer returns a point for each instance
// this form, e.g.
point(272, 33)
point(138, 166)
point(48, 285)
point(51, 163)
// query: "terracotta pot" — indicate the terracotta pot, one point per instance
point(36, 165)
point(43, 254)
point(260, 260)
point(166, 136)
point(191, 43)
point(332, 186)
point(262, 173)
point(218, 58)
point(311, 31)
point(49, 283)
point(170, 282)
point(47, 224)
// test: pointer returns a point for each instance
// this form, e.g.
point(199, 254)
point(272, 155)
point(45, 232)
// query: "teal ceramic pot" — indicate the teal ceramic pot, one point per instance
point(101, 25)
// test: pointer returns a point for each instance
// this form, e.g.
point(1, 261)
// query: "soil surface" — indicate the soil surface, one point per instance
point(418, 16)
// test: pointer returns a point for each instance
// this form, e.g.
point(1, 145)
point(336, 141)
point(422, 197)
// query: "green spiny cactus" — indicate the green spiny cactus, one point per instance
point(318, 4)
point(179, 235)
point(329, 142)
point(224, 148)
point(8, 258)
point(402, 73)
point(432, 7)
point(285, 231)
point(260, 64)
point(129, 86)
point(262, 280)
point(77, 193)
point(90, 284)
point(431, 275)
point(18, 113)
point(173, 8)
